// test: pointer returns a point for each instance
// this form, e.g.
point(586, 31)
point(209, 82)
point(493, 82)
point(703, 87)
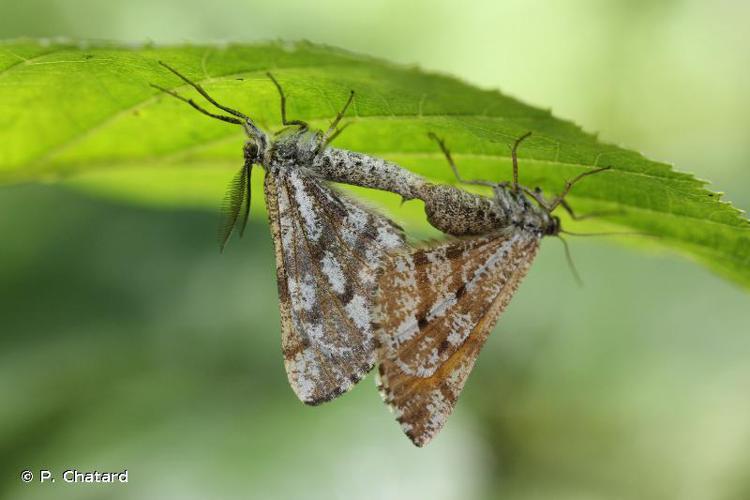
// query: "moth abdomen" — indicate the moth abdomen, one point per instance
point(358, 169)
point(461, 213)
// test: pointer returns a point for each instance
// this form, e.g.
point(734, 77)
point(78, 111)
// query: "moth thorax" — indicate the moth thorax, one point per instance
point(524, 214)
point(295, 146)
point(537, 220)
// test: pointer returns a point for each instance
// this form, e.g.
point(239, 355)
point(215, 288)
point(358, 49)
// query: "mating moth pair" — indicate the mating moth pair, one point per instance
point(352, 293)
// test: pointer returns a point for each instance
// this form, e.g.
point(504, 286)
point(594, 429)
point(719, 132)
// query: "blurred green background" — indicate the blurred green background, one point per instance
point(127, 341)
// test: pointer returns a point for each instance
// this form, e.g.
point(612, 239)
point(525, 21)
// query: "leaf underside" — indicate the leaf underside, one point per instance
point(85, 115)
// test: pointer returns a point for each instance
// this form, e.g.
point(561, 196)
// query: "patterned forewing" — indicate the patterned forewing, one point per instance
point(435, 309)
point(329, 254)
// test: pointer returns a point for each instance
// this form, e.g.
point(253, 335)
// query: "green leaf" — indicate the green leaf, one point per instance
point(85, 115)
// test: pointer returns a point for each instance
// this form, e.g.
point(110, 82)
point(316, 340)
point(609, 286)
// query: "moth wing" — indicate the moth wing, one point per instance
point(435, 309)
point(329, 254)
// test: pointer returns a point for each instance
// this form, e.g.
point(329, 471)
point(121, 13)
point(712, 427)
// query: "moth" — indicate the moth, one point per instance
point(329, 249)
point(437, 305)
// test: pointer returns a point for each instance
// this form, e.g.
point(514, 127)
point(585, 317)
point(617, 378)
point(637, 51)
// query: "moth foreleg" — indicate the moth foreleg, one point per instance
point(284, 121)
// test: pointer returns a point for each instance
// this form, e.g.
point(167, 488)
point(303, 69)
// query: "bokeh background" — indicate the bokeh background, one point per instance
point(127, 341)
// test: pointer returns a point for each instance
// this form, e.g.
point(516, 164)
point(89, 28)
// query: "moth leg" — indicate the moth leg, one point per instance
point(301, 124)
point(536, 194)
point(514, 158)
point(329, 139)
point(589, 215)
point(572, 182)
point(571, 264)
point(452, 164)
point(333, 130)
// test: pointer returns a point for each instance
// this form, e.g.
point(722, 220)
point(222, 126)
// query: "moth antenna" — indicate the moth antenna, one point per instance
point(205, 95)
point(236, 206)
point(571, 264)
point(174, 94)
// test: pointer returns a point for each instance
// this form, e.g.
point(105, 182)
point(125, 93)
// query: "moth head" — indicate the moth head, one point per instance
point(553, 227)
point(253, 152)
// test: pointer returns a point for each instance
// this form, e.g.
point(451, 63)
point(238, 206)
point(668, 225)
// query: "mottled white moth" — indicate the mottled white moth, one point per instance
point(329, 249)
point(437, 305)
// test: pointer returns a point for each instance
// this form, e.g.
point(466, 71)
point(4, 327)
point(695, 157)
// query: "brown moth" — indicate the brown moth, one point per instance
point(437, 305)
point(329, 250)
